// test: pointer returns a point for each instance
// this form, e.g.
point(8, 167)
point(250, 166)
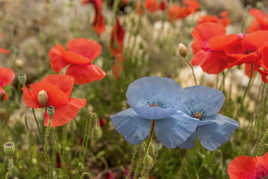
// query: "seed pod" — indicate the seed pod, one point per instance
point(9, 148)
point(182, 50)
point(22, 77)
point(50, 111)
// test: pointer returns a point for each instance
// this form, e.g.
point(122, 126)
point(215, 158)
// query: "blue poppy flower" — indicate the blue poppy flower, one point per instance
point(203, 103)
point(155, 98)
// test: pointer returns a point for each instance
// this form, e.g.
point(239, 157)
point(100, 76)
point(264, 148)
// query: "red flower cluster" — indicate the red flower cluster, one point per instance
point(176, 11)
point(78, 57)
point(245, 167)
point(6, 78)
point(215, 51)
point(54, 90)
point(98, 22)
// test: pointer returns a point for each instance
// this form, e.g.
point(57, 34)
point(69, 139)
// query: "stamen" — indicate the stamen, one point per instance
point(198, 115)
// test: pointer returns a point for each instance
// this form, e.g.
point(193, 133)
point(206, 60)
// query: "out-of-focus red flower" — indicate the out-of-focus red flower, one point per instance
point(79, 56)
point(260, 22)
point(6, 78)
point(102, 122)
point(98, 22)
point(245, 167)
point(209, 48)
point(58, 160)
point(163, 5)
point(191, 5)
point(125, 1)
point(118, 66)
point(151, 5)
point(175, 12)
point(109, 175)
point(57, 89)
point(223, 19)
point(4, 51)
point(117, 39)
point(139, 8)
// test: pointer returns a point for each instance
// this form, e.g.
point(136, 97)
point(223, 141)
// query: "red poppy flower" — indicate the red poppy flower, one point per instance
point(163, 5)
point(4, 51)
point(117, 39)
point(151, 5)
point(56, 90)
point(209, 48)
point(245, 167)
point(6, 78)
point(79, 56)
point(118, 66)
point(223, 19)
point(97, 3)
point(191, 5)
point(260, 22)
point(175, 12)
point(139, 8)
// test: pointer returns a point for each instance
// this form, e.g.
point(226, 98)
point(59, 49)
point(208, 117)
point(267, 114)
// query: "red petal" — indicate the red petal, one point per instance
point(260, 16)
point(56, 97)
point(98, 23)
point(63, 82)
point(117, 39)
point(85, 73)
point(3, 92)
point(199, 58)
point(85, 48)
point(242, 167)
point(151, 5)
point(6, 76)
point(204, 32)
point(57, 61)
point(254, 40)
point(4, 51)
point(66, 113)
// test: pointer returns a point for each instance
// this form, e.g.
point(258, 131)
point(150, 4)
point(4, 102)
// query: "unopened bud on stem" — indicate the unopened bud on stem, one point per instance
point(9, 148)
point(42, 97)
point(182, 50)
point(22, 78)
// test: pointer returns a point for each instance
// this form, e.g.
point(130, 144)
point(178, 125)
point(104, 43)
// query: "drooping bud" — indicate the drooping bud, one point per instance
point(50, 111)
point(22, 77)
point(182, 50)
point(9, 148)
point(42, 97)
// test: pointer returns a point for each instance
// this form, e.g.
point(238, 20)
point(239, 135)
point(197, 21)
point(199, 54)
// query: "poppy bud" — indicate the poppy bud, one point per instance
point(148, 162)
point(9, 148)
point(182, 50)
point(97, 132)
point(50, 111)
point(42, 97)
point(19, 63)
point(22, 78)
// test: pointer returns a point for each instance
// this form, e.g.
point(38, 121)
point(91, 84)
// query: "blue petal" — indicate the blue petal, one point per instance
point(134, 128)
point(189, 143)
point(154, 112)
point(175, 130)
point(207, 101)
point(164, 92)
point(217, 132)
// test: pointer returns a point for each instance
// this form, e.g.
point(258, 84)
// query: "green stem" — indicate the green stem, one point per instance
point(115, 5)
point(260, 144)
point(132, 162)
point(147, 147)
point(10, 167)
point(37, 124)
point(192, 69)
point(46, 146)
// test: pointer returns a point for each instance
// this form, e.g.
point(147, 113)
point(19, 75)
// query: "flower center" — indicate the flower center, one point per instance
point(198, 115)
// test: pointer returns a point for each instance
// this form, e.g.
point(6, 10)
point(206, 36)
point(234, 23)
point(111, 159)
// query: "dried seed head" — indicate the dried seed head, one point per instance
point(22, 77)
point(198, 115)
point(182, 50)
point(9, 148)
point(42, 97)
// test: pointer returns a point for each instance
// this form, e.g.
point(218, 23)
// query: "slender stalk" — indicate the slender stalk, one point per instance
point(9, 167)
point(132, 162)
point(259, 147)
point(37, 124)
point(147, 147)
point(46, 146)
point(192, 69)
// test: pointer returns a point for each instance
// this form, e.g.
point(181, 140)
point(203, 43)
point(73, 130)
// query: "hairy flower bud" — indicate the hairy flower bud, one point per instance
point(42, 97)
point(9, 148)
point(182, 50)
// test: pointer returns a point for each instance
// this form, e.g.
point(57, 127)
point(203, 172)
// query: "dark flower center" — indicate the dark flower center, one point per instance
point(198, 115)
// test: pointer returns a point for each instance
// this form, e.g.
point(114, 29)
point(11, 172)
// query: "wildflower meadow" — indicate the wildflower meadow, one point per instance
point(134, 89)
